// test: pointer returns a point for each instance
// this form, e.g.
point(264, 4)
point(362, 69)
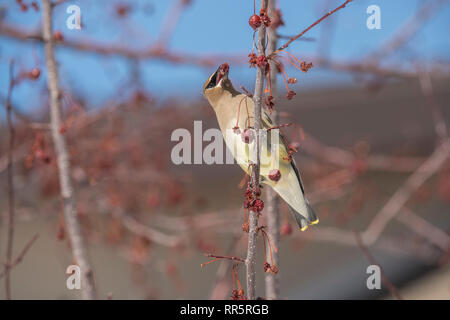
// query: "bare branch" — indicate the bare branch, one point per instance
point(63, 160)
point(425, 229)
point(258, 99)
point(20, 256)
point(272, 212)
point(10, 217)
point(392, 289)
point(398, 200)
point(408, 29)
point(284, 46)
point(148, 232)
point(154, 52)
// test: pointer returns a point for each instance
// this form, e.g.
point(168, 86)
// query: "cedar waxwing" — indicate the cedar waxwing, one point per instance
point(234, 112)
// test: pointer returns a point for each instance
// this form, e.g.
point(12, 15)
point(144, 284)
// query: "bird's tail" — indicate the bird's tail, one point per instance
point(302, 221)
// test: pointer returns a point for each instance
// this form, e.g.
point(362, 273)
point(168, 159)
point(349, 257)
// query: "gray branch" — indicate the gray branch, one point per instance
point(258, 99)
point(63, 160)
point(272, 213)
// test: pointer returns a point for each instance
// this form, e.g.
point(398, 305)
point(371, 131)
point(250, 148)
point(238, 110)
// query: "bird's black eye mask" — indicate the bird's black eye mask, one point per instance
point(212, 83)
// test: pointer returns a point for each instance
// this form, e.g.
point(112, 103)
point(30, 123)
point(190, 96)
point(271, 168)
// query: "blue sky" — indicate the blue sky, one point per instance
point(206, 27)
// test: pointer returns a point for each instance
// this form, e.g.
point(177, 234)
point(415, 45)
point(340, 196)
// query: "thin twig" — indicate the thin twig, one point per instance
point(392, 289)
point(425, 229)
point(221, 286)
point(407, 30)
point(284, 46)
point(63, 159)
point(10, 217)
point(20, 256)
point(232, 258)
point(147, 232)
point(170, 22)
point(399, 198)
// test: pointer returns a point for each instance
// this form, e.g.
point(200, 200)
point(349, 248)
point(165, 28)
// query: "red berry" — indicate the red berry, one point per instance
point(274, 175)
point(291, 80)
point(264, 17)
point(34, 74)
point(286, 229)
point(290, 94)
point(258, 205)
point(58, 36)
point(261, 61)
point(247, 136)
point(252, 59)
point(254, 21)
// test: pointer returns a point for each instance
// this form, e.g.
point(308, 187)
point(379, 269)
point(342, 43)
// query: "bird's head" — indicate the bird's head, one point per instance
point(217, 83)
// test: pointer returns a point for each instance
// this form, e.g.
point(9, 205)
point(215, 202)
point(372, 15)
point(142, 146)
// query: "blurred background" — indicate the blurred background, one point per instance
point(369, 121)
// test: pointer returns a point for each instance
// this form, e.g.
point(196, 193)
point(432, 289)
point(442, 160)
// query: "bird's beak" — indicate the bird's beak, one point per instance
point(219, 75)
point(222, 72)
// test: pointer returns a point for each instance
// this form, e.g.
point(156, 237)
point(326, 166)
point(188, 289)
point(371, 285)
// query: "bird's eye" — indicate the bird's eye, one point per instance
point(212, 82)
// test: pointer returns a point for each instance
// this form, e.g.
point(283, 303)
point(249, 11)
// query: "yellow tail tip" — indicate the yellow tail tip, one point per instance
point(304, 228)
point(315, 221)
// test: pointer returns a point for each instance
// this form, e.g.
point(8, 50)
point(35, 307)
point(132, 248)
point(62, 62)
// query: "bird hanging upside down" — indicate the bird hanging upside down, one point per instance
point(235, 114)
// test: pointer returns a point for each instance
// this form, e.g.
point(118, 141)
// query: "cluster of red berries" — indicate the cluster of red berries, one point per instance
point(269, 103)
point(24, 6)
point(255, 21)
point(305, 66)
point(238, 295)
point(251, 202)
point(270, 268)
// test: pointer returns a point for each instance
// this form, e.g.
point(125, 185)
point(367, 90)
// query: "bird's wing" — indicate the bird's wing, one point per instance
point(267, 123)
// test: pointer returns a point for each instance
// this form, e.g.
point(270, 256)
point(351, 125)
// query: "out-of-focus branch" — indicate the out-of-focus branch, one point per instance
point(170, 21)
point(284, 46)
point(258, 98)
point(392, 289)
point(147, 232)
point(19, 257)
point(157, 52)
point(399, 198)
point(408, 29)
point(154, 52)
point(391, 244)
point(436, 71)
point(10, 216)
point(221, 286)
point(343, 158)
point(273, 212)
point(63, 160)
point(425, 229)
point(440, 127)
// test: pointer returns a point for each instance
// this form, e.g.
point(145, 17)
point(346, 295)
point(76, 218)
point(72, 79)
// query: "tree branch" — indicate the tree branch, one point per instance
point(19, 257)
point(272, 213)
point(258, 98)
point(398, 200)
point(63, 160)
point(10, 217)
point(284, 46)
